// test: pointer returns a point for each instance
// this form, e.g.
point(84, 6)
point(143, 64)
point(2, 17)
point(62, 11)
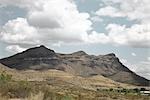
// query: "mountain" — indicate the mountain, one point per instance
point(78, 63)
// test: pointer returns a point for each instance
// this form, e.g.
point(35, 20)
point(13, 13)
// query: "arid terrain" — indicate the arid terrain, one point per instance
point(58, 85)
point(77, 63)
point(46, 75)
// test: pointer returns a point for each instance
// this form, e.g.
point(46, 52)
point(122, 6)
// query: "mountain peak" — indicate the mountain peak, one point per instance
point(35, 52)
point(42, 46)
point(40, 51)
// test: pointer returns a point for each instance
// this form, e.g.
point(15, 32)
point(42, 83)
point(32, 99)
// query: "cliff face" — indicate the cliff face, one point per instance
point(78, 63)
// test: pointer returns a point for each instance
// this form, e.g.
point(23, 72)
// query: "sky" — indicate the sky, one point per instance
point(94, 26)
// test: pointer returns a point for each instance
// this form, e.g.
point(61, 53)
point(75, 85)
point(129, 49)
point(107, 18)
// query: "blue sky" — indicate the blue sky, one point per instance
point(94, 26)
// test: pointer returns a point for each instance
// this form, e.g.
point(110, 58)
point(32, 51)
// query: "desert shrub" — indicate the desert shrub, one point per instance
point(5, 77)
point(142, 89)
point(15, 89)
point(136, 90)
point(124, 90)
point(110, 89)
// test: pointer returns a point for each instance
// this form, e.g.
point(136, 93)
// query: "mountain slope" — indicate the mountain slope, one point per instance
point(78, 63)
point(51, 76)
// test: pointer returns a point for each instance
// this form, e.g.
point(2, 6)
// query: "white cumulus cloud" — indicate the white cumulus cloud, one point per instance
point(18, 31)
point(138, 35)
point(95, 37)
point(110, 11)
point(133, 9)
point(15, 48)
point(96, 19)
point(46, 22)
point(59, 21)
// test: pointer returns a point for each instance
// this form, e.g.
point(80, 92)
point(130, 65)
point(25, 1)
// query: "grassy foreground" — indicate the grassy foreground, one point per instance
point(43, 91)
point(59, 90)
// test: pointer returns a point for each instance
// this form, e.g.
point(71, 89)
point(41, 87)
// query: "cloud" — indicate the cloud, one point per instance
point(15, 48)
point(133, 9)
point(56, 14)
point(95, 37)
point(145, 62)
point(23, 3)
point(132, 67)
point(54, 22)
point(96, 19)
point(133, 54)
point(47, 22)
point(135, 36)
point(138, 35)
point(18, 31)
point(109, 11)
point(148, 58)
point(142, 68)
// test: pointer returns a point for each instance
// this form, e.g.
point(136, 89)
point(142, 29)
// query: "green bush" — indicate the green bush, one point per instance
point(110, 89)
point(5, 77)
point(136, 90)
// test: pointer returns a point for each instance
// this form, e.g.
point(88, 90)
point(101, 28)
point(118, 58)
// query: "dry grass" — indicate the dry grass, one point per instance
point(78, 95)
point(88, 82)
point(58, 85)
point(39, 96)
